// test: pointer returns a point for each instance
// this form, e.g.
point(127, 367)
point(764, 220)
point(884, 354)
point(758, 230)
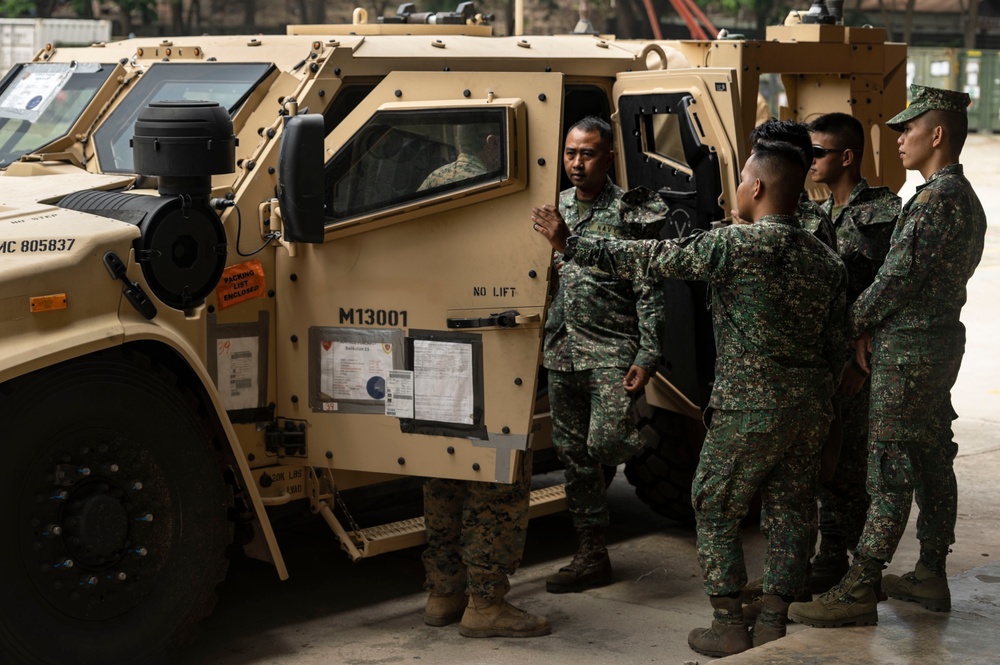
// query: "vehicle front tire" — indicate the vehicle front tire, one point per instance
point(663, 469)
point(115, 513)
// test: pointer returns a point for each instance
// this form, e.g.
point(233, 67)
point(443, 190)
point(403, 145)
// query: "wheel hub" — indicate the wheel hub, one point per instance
point(96, 525)
point(90, 538)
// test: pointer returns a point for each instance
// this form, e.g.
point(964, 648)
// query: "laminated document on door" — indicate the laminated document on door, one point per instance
point(443, 386)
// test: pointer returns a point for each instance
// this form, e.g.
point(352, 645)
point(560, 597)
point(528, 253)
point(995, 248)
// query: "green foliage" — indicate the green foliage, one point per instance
point(765, 12)
point(16, 8)
point(143, 6)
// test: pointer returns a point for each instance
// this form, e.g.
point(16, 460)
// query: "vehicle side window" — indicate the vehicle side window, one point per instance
point(403, 156)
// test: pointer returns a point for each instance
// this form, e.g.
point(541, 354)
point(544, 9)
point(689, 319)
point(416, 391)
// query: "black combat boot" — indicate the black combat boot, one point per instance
point(590, 567)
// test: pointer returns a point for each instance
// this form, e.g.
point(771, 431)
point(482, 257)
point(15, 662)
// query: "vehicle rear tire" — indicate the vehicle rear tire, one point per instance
point(663, 469)
point(115, 518)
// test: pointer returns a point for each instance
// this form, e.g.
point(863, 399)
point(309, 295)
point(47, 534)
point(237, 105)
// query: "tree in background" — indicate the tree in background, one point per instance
point(27, 8)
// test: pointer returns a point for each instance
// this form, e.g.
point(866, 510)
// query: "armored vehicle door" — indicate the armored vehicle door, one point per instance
point(409, 336)
point(681, 135)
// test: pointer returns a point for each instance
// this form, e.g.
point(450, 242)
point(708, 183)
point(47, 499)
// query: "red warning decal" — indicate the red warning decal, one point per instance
point(241, 282)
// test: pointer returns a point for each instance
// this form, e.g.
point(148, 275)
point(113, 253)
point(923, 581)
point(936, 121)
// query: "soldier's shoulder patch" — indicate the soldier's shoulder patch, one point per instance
point(925, 196)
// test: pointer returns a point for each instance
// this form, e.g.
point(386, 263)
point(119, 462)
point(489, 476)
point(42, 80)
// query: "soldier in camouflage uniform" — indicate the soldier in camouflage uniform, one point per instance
point(909, 318)
point(602, 340)
point(476, 530)
point(816, 221)
point(479, 154)
point(778, 298)
point(863, 218)
point(813, 218)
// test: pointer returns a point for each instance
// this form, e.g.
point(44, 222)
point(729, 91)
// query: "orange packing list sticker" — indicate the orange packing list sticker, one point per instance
point(241, 282)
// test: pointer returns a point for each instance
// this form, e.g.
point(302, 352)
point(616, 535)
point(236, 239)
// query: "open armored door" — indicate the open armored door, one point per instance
point(680, 134)
point(409, 339)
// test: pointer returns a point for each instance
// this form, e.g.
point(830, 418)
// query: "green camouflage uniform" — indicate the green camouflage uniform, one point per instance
point(463, 168)
point(816, 220)
point(863, 226)
point(912, 312)
point(597, 327)
point(778, 299)
point(475, 530)
point(475, 533)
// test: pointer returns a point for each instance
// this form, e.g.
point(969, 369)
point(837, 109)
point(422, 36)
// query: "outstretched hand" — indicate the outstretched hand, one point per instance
point(547, 221)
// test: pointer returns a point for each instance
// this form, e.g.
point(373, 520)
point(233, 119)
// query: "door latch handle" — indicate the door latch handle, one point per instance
point(509, 319)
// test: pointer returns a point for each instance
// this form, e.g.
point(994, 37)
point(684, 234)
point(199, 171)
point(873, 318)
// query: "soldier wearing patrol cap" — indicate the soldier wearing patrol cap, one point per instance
point(908, 319)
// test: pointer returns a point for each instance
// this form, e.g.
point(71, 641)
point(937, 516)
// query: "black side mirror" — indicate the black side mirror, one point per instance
point(300, 178)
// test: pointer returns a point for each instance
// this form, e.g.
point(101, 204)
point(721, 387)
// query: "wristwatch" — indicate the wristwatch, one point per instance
point(570, 250)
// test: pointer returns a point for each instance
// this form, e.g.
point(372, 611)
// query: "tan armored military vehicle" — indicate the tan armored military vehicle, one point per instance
point(226, 295)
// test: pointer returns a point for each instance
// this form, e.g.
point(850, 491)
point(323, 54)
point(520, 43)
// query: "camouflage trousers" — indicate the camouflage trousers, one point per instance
point(591, 427)
point(475, 533)
point(912, 453)
point(844, 499)
point(775, 452)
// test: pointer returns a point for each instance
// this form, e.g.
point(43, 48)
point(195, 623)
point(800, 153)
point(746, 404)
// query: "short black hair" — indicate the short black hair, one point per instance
point(848, 130)
point(779, 165)
point(955, 124)
point(592, 123)
point(789, 132)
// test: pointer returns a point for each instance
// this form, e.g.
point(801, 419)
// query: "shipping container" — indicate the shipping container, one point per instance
point(21, 38)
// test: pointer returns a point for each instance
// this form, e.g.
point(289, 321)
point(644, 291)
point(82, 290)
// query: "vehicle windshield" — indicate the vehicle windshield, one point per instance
point(227, 84)
point(40, 102)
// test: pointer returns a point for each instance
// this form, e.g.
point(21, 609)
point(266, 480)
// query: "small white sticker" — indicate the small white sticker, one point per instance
point(399, 394)
point(237, 359)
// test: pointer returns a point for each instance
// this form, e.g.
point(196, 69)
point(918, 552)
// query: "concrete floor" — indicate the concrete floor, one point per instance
point(334, 612)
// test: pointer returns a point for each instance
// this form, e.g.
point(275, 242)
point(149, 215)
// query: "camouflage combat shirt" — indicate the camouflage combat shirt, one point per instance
point(912, 308)
point(597, 319)
point(463, 168)
point(816, 220)
point(778, 304)
point(864, 226)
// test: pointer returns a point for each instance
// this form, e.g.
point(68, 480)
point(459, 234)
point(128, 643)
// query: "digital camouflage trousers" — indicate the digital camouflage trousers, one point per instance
point(775, 452)
point(912, 453)
point(844, 499)
point(591, 427)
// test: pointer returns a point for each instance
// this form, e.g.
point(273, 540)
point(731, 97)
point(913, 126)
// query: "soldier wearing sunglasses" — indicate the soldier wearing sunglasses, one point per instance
point(863, 218)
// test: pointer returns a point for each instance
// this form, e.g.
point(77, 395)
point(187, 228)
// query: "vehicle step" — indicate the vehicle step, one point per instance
point(410, 533)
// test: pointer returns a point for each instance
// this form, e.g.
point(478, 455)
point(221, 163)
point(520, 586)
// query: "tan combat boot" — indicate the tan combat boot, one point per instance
point(771, 621)
point(853, 601)
point(920, 586)
point(444, 608)
point(590, 567)
point(728, 634)
point(486, 617)
point(753, 599)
